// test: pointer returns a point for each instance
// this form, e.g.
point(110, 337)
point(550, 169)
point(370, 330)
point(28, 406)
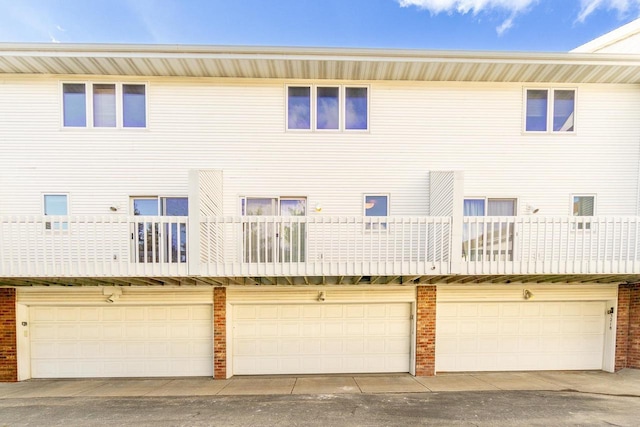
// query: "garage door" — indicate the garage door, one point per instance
point(134, 341)
point(321, 338)
point(507, 336)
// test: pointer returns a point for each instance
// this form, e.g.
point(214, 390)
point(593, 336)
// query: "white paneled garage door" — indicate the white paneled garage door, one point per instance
point(506, 336)
point(125, 341)
point(321, 338)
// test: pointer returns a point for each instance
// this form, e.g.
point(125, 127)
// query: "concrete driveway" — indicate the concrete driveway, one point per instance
point(623, 383)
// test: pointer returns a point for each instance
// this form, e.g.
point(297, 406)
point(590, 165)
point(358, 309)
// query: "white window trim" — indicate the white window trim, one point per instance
point(88, 85)
point(342, 103)
point(595, 202)
point(550, 99)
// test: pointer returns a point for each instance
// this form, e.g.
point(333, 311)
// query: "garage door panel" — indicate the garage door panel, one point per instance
point(121, 341)
point(526, 336)
point(355, 328)
point(321, 338)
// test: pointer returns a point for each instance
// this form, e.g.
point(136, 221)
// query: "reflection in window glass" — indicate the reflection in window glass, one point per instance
point(175, 206)
point(328, 108)
point(356, 108)
point(299, 107)
point(104, 105)
point(134, 106)
point(376, 205)
point(145, 207)
point(563, 110)
point(537, 110)
point(74, 105)
point(583, 205)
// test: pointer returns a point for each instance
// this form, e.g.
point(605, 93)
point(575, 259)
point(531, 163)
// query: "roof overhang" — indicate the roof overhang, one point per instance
point(316, 63)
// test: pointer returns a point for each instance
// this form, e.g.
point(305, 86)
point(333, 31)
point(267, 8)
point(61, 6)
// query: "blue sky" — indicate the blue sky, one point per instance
point(521, 25)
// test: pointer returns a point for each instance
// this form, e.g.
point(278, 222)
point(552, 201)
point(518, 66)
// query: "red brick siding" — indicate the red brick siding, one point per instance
point(426, 331)
point(628, 327)
point(622, 328)
point(633, 352)
point(8, 346)
point(220, 333)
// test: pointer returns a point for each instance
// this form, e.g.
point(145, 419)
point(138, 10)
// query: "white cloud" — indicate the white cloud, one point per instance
point(466, 6)
point(623, 7)
point(513, 7)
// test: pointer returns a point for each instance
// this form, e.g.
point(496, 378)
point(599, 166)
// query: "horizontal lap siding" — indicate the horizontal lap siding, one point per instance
point(238, 127)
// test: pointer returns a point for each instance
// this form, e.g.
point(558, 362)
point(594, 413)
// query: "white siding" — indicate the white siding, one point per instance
point(238, 127)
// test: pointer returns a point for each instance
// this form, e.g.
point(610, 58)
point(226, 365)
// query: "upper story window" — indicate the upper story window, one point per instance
point(550, 110)
point(317, 107)
point(104, 105)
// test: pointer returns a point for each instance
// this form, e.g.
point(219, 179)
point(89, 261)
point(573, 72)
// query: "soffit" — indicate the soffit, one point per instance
point(317, 63)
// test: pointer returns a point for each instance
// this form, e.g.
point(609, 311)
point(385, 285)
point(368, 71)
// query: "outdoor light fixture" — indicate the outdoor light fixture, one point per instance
point(527, 294)
point(321, 296)
point(318, 207)
point(113, 294)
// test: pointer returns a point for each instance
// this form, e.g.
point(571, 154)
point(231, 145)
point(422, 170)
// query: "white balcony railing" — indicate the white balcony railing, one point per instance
point(94, 246)
point(324, 246)
point(125, 246)
point(550, 245)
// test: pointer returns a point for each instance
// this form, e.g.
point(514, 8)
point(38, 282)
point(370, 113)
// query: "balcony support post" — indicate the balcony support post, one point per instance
point(193, 257)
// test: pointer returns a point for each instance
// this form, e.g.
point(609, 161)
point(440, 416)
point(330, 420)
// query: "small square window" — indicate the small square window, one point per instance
point(376, 205)
point(56, 205)
point(584, 206)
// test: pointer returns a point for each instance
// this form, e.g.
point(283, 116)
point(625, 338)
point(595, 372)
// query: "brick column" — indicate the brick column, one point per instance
point(622, 327)
point(8, 344)
point(633, 349)
point(426, 331)
point(220, 333)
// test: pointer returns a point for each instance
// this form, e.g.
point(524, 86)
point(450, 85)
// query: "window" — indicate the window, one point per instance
point(327, 108)
point(75, 105)
point(160, 241)
point(112, 105)
point(56, 205)
point(104, 105)
point(583, 206)
point(492, 239)
point(284, 240)
point(552, 109)
point(376, 205)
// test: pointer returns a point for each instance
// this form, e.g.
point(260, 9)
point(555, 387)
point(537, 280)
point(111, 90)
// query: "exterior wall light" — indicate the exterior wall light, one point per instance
point(527, 294)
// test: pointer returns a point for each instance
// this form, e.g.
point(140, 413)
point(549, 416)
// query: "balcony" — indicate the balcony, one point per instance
point(314, 246)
